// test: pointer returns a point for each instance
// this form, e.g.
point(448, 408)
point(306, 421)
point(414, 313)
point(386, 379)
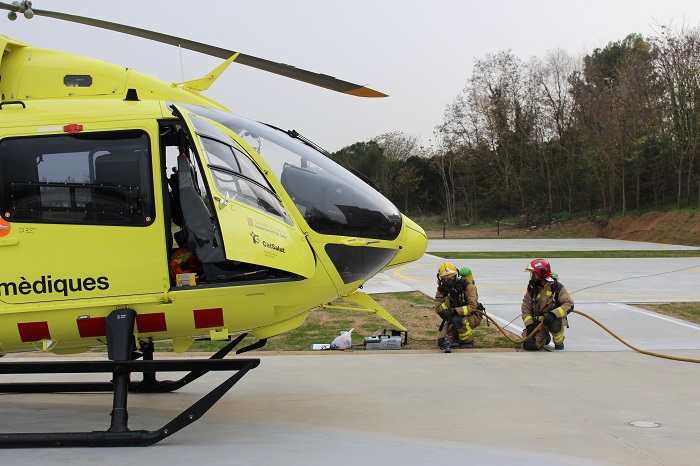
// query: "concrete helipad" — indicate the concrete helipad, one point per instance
point(605, 289)
point(594, 403)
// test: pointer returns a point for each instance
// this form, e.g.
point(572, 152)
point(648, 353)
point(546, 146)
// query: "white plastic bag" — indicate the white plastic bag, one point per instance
point(343, 341)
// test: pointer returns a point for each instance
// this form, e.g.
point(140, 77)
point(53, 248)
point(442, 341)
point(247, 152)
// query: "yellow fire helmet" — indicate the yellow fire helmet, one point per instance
point(447, 269)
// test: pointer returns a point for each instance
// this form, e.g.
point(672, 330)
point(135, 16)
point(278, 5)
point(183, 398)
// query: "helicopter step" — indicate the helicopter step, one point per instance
point(120, 326)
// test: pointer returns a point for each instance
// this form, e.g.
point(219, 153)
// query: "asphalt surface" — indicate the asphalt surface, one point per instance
point(596, 403)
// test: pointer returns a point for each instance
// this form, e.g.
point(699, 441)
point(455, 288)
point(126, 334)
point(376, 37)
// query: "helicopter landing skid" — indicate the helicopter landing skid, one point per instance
point(148, 384)
point(121, 367)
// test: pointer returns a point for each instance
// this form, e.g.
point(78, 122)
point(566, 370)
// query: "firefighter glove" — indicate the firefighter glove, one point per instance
point(530, 328)
point(549, 319)
point(447, 314)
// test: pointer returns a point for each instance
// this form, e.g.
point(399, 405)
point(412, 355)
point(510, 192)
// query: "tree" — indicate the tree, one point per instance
point(619, 128)
point(678, 64)
point(494, 118)
point(556, 132)
point(615, 107)
point(444, 162)
point(367, 158)
point(398, 145)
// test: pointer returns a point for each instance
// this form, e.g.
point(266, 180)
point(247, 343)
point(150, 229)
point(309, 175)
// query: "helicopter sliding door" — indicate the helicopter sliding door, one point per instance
point(250, 220)
point(79, 210)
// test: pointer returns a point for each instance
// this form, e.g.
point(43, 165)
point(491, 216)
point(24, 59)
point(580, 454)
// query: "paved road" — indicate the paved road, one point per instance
point(349, 408)
point(593, 404)
point(586, 244)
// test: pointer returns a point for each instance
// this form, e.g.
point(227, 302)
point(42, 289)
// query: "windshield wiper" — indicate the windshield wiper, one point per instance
point(295, 135)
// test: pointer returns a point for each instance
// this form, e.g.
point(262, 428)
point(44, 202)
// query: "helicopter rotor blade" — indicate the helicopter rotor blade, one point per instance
point(316, 79)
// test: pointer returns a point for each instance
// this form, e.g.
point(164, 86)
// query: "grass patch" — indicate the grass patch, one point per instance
point(416, 312)
point(413, 309)
point(566, 254)
point(689, 312)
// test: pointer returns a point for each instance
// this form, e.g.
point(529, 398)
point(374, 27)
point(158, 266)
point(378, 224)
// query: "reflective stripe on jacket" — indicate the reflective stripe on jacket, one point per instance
point(534, 307)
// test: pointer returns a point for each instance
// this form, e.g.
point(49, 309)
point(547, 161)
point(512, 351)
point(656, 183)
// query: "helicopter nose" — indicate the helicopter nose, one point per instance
point(414, 242)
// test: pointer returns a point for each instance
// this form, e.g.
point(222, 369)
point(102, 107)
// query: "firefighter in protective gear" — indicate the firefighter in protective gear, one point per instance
point(442, 288)
point(445, 270)
point(546, 300)
point(457, 302)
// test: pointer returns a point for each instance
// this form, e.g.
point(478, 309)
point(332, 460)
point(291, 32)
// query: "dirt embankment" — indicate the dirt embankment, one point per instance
point(674, 227)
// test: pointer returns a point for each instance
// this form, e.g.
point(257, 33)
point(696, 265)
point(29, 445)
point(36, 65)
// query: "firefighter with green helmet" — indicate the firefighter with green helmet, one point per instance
point(457, 304)
point(466, 272)
point(546, 300)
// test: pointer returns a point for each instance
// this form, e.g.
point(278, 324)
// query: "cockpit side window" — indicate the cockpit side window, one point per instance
point(235, 175)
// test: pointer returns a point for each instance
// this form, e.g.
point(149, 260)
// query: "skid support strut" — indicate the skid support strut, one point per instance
point(120, 349)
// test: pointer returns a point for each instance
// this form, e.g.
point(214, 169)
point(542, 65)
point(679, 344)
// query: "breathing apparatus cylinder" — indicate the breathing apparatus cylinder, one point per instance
point(466, 272)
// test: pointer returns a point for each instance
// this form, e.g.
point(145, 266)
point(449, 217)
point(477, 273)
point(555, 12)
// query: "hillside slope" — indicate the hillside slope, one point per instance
point(672, 227)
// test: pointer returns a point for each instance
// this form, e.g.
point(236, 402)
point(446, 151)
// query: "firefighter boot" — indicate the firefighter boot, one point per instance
point(559, 346)
point(444, 344)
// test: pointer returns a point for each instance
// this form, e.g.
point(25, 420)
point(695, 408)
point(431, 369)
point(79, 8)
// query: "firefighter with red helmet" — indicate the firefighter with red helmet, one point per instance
point(546, 300)
point(457, 304)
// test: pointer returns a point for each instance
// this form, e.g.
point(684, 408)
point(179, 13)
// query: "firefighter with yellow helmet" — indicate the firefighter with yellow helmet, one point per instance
point(546, 300)
point(457, 304)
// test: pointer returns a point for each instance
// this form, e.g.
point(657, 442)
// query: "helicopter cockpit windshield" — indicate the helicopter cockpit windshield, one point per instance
point(331, 199)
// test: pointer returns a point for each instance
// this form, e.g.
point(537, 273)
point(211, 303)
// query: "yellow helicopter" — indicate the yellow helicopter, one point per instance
point(134, 210)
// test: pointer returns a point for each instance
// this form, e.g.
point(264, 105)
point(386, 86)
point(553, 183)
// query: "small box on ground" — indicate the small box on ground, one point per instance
point(383, 342)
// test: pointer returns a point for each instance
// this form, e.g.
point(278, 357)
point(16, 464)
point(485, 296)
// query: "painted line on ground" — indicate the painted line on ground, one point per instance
point(654, 315)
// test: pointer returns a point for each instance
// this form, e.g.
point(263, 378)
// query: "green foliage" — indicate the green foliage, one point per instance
point(397, 169)
point(605, 67)
point(365, 157)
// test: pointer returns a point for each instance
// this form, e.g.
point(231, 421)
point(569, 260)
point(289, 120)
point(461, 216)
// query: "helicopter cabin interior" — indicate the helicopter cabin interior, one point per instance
point(105, 178)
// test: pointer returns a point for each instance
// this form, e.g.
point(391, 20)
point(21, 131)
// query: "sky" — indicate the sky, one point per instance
point(420, 53)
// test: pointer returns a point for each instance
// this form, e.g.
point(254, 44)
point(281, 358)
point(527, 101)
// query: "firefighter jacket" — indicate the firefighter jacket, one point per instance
point(543, 298)
point(463, 297)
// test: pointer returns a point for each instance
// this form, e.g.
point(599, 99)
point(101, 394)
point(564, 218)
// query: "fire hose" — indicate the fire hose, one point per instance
point(519, 341)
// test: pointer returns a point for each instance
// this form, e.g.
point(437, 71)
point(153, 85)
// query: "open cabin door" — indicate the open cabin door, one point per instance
point(236, 218)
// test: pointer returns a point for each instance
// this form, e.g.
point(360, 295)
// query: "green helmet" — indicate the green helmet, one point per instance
point(466, 272)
